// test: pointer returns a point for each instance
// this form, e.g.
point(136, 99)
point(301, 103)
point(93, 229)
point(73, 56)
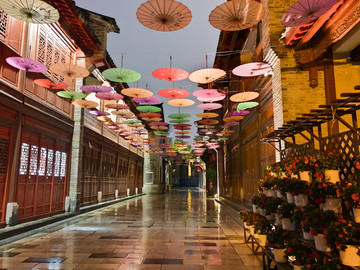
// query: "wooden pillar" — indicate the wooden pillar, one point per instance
point(356, 141)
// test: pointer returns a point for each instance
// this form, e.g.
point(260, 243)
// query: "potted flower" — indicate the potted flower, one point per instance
point(305, 167)
point(330, 165)
point(277, 168)
point(271, 207)
point(257, 200)
point(278, 240)
point(319, 223)
point(324, 264)
point(286, 214)
point(303, 253)
point(352, 200)
point(345, 235)
point(282, 187)
point(300, 190)
point(303, 216)
point(246, 217)
point(262, 227)
point(327, 194)
point(290, 166)
point(268, 184)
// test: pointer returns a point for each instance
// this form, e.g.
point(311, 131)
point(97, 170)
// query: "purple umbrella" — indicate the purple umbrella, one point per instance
point(230, 124)
point(27, 64)
point(148, 100)
point(96, 89)
point(183, 137)
point(109, 96)
point(99, 113)
point(241, 113)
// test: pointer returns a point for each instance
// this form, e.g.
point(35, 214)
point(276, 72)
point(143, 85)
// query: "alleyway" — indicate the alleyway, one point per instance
point(180, 230)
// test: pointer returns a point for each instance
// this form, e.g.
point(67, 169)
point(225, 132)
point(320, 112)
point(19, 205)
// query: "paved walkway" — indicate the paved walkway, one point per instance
point(180, 230)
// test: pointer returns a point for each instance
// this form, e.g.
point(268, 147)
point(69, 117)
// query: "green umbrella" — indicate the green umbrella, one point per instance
point(179, 115)
point(148, 109)
point(71, 94)
point(161, 133)
point(222, 139)
point(121, 75)
point(131, 122)
point(179, 121)
point(246, 105)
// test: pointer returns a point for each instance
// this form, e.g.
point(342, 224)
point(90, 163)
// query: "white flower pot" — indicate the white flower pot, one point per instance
point(262, 212)
point(246, 226)
point(308, 236)
point(333, 204)
point(279, 254)
point(279, 194)
point(252, 230)
point(271, 193)
point(277, 220)
point(332, 176)
point(356, 212)
point(270, 217)
point(305, 176)
point(301, 200)
point(321, 243)
point(262, 239)
point(295, 176)
point(298, 267)
point(290, 197)
point(349, 257)
point(287, 225)
point(256, 209)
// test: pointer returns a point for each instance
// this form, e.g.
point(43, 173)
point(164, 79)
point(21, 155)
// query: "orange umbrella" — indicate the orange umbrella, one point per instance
point(207, 115)
point(208, 121)
point(87, 104)
point(117, 106)
point(69, 70)
point(181, 102)
point(159, 128)
point(206, 75)
point(136, 92)
point(237, 15)
point(173, 93)
point(233, 118)
point(103, 118)
point(164, 15)
point(50, 85)
point(170, 74)
point(244, 96)
point(182, 132)
point(149, 115)
point(152, 119)
point(123, 113)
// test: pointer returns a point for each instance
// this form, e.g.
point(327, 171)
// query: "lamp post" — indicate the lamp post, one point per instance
point(217, 173)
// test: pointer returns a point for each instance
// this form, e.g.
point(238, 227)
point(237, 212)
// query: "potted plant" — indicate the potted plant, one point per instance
point(246, 217)
point(327, 194)
point(352, 200)
point(319, 223)
point(303, 216)
point(271, 206)
point(290, 166)
point(345, 235)
point(305, 167)
point(330, 166)
point(286, 214)
point(278, 240)
point(268, 184)
point(282, 187)
point(324, 264)
point(300, 190)
point(257, 200)
point(262, 227)
point(303, 253)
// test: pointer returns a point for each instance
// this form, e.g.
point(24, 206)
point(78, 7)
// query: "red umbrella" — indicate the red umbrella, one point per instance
point(209, 106)
point(50, 85)
point(183, 137)
point(170, 74)
point(251, 69)
point(109, 96)
point(182, 128)
point(158, 124)
point(173, 93)
point(96, 88)
point(182, 125)
point(27, 64)
point(208, 121)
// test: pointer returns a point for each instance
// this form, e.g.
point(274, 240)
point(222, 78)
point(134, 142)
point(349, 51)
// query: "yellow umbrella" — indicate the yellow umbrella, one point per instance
point(69, 70)
point(207, 115)
point(181, 102)
point(206, 75)
point(136, 92)
point(85, 104)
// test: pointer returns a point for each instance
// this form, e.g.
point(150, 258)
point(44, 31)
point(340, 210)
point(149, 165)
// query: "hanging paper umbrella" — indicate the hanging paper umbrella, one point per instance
point(27, 64)
point(179, 115)
point(244, 96)
point(136, 92)
point(71, 94)
point(233, 118)
point(96, 88)
point(148, 109)
point(69, 70)
point(206, 75)
point(123, 113)
point(207, 130)
point(207, 115)
point(182, 125)
point(152, 119)
point(182, 128)
point(87, 104)
point(149, 115)
point(159, 128)
point(183, 137)
point(240, 113)
point(173, 93)
point(117, 106)
point(207, 93)
point(109, 96)
point(164, 138)
point(237, 15)
point(205, 126)
point(212, 99)
point(131, 122)
point(163, 15)
point(46, 83)
point(209, 106)
point(31, 11)
point(121, 75)
point(170, 74)
point(179, 121)
point(230, 124)
point(161, 133)
point(181, 102)
point(158, 124)
point(99, 113)
point(148, 100)
point(182, 132)
point(208, 121)
point(251, 69)
point(305, 11)
point(246, 105)
point(103, 118)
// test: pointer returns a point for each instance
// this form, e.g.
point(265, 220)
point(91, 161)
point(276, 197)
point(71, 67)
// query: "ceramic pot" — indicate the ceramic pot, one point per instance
point(308, 236)
point(356, 212)
point(279, 194)
point(321, 243)
point(287, 224)
point(332, 176)
point(301, 200)
point(333, 204)
point(290, 197)
point(271, 193)
point(279, 254)
point(306, 176)
point(349, 257)
point(256, 209)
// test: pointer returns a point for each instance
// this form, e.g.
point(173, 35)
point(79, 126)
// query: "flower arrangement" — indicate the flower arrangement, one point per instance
point(296, 187)
point(342, 233)
point(330, 162)
point(305, 215)
point(283, 184)
point(261, 224)
point(272, 205)
point(326, 264)
point(319, 190)
point(352, 196)
point(269, 182)
point(320, 221)
point(247, 216)
point(278, 238)
point(290, 166)
point(259, 200)
point(276, 168)
point(303, 253)
point(286, 210)
point(305, 164)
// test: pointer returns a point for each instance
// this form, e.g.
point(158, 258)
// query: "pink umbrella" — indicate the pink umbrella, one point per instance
point(305, 11)
point(213, 99)
point(158, 124)
point(207, 93)
point(27, 64)
point(99, 113)
point(209, 106)
point(251, 69)
point(148, 100)
point(96, 89)
point(109, 96)
point(170, 74)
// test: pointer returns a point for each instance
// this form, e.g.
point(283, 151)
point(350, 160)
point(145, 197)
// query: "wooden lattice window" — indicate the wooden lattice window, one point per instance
point(50, 160)
point(24, 158)
point(57, 163)
point(41, 48)
point(33, 159)
point(4, 146)
point(63, 164)
point(3, 23)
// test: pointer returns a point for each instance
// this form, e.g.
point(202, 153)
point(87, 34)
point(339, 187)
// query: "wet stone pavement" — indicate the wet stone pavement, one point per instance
point(178, 230)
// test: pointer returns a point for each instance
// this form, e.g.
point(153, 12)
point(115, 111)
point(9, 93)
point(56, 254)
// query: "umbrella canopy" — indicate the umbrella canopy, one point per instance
point(246, 105)
point(148, 109)
point(69, 70)
point(244, 96)
point(170, 74)
point(117, 106)
point(182, 132)
point(222, 139)
point(99, 113)
point(159, 128)
point(46, 83)
point(183, 137)
point(27, 64)
point(179, 115)
point(136, 92)
point(161, 133)
point(71, 94)
point(181, 102)
point(147, 100)
point(182, 128)
point(131, 122)
point(149, 115)
point(103, 118)
point(240, 113)
point(87, 104)
point(173, 93)
point(182, 125)
point(230, 124)
point(208, 121)
point(96, 89)
point(163, 15)
point(305, 11)
point(205, 126)
point(123, 113)
point(32, 11)
point(109, 96)
point(207, 93)
point(121, 75)
point(251, 69)
point(207, 115)
point(206, 75)
point(179, 121)
point(233, 118)
point(209, 106)
point(212, 99)
point(158, 124)
point(237, 15)
point(152, 119)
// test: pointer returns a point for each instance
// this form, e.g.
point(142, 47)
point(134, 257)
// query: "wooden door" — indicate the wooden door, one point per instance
point(5, 142)
point(89, 176)
point(59, 177)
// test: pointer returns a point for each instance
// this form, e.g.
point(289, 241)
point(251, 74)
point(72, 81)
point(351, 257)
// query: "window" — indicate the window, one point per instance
point(24, 158)
point(3, 23)
point(63, 164)
point(50, 160)
point(33, 160)
point(42, 163)
point(57, 163)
